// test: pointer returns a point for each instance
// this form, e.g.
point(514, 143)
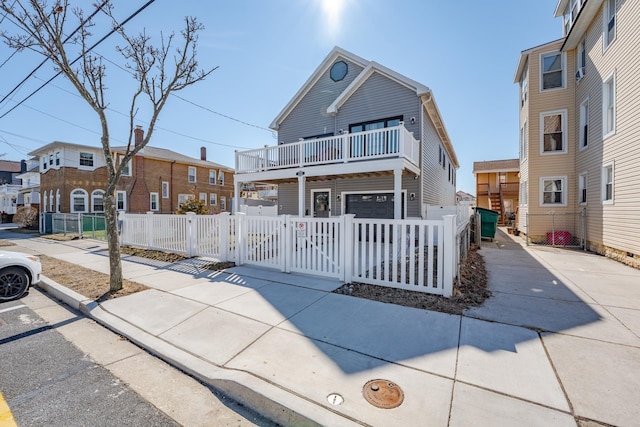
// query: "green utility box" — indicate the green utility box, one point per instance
point(488, 222)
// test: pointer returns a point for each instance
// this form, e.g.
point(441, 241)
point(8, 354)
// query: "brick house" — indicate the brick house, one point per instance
point(73, 179)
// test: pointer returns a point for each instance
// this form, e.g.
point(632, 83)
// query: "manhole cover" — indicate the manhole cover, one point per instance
point(383, 394)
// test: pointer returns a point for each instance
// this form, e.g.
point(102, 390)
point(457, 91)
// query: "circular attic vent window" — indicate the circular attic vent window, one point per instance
point(338, 71)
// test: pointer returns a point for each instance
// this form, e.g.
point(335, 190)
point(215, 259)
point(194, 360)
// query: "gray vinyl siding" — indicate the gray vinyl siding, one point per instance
point(380, 98)
point(309, 117)
point(436, 189)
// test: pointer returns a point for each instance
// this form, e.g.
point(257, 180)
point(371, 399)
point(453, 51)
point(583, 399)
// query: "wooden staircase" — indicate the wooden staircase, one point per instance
point(495, 204)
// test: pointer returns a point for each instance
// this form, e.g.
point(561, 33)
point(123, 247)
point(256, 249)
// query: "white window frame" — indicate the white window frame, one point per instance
point(581, 60)
point(57, 158)
point(609, 104)
point(44, 163)
point(81, 192)
point(605, 182)
point(51, 201)
point(563, 115)
point(524, 193)
point(58, 200)
point(154, 199)
point(127, 168)
point(93, 160)
point(213, 199)
point(212, 177)
point(606, 18)
point(183, 198)
point(124, 200)
point(524, 86)
point(93, 194)
point(523, 142)
point(221, 177)
point(223, 203)
point(563, 62)
point(44, 202)
point(563, 190)
point(583, 185)
point(165, 189)
point(203, 198)
point(192, 177)
point(583, 134)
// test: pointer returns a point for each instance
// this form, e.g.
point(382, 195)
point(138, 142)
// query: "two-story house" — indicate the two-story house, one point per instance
point(579, 127)
point(497, 186)
point(73, 179)
point(356, 138)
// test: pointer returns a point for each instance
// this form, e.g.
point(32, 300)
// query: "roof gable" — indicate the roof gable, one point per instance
point(324, 66)
point(374, 67)
point(508, 165)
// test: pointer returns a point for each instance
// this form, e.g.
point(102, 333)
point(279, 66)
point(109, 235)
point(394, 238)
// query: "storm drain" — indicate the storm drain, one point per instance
point(383, 394)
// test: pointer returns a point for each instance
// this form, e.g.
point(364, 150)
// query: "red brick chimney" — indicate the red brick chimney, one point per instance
point(139, 135)
point(203, 153)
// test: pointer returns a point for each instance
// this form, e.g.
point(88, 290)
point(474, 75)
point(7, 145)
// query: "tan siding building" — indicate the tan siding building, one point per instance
point(600, 50)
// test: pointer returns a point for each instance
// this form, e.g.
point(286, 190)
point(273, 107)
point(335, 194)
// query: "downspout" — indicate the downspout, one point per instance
point(171, 188)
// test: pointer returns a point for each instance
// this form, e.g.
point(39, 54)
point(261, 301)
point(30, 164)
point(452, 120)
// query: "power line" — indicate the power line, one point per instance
point(115, 29)
point(95, 12)
point(126, 115)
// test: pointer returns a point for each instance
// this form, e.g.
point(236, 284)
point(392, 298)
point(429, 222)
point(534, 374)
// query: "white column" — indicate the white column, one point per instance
point(236, 195)
point(449, 243)
point(397, 194)
point(301, 181)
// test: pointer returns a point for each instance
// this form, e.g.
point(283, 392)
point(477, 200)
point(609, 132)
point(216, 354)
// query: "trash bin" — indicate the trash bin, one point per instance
point(488, 222)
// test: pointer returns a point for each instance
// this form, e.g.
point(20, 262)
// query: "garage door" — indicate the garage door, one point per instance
point(377, 205)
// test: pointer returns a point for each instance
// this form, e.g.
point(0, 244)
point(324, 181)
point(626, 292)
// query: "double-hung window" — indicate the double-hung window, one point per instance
point(523, 142)
point(553, 132)
point(607, 183)
point(153, 201)
point(97, 201)
point(553, 191)
point(552, 70)
point(221, 178)
point(582, 188)
point(584, 124)
point(203, 198)
point(212, 177)
point(609, 106)
point(57, 158)
point(121, 200)
point(86, 159)
point(609, 25)
point(79, 199)
point(524, 86)
point(192, 174)
point(213, 199)
point(581, 60)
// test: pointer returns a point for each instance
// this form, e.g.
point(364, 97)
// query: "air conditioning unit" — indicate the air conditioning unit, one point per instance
point(579, 74)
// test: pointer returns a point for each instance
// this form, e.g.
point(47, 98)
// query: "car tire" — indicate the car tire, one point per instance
point(14, 282)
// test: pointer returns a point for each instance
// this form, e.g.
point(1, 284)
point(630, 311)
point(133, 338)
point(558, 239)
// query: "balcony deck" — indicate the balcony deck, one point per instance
point(379, 144)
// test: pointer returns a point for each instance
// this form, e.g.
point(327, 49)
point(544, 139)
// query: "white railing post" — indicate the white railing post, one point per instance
point(191, 238)
point(449, 243)
point(148, 223)
point(266, 157)
point(241, 238)
point(80, 225)
point(347, 248)
point(288, 246)
point(345, 147)
point(223, 238)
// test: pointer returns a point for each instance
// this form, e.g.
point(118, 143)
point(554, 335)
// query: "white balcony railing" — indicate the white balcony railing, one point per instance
point(369, 145)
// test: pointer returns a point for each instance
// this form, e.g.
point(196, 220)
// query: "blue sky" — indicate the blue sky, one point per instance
point(465, 51)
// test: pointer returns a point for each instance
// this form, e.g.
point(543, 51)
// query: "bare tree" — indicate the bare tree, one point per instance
point(158, 71)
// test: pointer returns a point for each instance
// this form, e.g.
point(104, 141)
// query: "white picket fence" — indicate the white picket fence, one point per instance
point(418, 255)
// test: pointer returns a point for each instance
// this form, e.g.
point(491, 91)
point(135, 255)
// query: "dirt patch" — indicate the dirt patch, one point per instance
point(89, 283)
point(6, 243)
point(470, 292)
point(61, 237)
point(153, 254)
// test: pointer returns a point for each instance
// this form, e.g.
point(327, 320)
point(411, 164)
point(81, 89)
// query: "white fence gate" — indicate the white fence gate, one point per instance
point(418, 255)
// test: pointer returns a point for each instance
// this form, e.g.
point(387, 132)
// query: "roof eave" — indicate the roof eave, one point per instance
point(429, 103)
point(315, 76)
point(581, 24)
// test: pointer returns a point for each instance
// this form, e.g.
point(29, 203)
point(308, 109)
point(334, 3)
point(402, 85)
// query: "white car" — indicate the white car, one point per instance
point(18, 271)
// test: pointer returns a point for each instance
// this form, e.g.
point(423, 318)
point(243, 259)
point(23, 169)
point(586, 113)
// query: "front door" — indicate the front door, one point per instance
point(321, 204)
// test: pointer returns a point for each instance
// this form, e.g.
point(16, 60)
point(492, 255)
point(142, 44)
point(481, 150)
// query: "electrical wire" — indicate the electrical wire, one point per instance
point(109, 34)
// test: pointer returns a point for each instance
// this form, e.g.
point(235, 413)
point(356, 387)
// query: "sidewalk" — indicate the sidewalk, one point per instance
point(557, 343)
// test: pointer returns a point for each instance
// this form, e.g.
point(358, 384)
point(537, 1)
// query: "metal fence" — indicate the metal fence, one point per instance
point(565, 229)
point(84, 225)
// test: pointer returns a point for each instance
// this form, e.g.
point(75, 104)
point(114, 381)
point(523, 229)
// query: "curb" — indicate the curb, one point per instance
point(273, 402)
